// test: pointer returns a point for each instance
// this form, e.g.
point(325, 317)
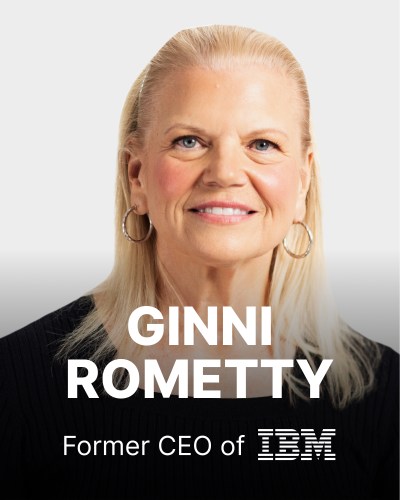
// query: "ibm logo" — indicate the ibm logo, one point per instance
point(289, 442)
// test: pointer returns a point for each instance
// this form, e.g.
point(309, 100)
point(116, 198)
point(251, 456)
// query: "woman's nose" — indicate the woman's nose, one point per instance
point(225, 168)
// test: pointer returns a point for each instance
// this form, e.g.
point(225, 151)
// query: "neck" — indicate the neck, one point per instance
point(187, 282)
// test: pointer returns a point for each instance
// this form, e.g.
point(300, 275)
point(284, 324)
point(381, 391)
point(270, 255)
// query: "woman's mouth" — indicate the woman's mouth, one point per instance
point(221, 211)
point(226, 213)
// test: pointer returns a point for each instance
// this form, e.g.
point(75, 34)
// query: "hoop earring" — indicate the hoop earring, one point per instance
point(125, 231)
point(310, 242)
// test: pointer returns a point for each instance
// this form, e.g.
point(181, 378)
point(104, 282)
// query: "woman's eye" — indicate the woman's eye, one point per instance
point(262, 145)
point(187, 142)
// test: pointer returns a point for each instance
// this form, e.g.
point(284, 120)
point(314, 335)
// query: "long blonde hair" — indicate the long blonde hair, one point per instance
point(303, 312)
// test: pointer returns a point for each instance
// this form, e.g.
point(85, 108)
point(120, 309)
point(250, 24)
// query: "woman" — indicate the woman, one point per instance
point(217, 191)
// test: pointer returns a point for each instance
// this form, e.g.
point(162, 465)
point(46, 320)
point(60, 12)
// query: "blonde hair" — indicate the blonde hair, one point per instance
point(303, 312)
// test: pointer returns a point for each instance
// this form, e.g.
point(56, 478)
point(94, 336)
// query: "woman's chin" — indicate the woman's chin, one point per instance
point(226, 253)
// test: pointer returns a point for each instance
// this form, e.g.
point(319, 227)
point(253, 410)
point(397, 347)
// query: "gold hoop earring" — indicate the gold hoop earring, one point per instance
point(310, 242)
point(125, 231)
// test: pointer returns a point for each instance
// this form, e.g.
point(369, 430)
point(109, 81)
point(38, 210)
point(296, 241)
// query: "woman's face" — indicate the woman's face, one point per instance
point(222, 172)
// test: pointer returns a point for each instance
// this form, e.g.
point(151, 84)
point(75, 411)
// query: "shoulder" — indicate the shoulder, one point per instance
point(27, 355)
point(387, 377)
point(390, 358)
point(377, 413)
point(387, 372)
point(29, 370)
point(50, 328)
point(378, 365)
point(385, 393)
point(382, 394)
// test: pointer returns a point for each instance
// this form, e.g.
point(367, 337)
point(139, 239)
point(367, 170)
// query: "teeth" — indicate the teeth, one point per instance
point(222, 211)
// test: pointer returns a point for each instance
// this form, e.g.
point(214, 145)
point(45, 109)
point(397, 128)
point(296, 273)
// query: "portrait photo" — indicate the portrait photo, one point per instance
point(199, 263)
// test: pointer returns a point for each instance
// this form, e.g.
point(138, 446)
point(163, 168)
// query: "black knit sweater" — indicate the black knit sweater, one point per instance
point(36, 415)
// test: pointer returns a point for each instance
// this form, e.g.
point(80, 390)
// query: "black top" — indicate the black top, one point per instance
point(36, 415)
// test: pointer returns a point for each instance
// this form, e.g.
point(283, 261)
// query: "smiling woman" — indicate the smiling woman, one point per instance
point(218, 194)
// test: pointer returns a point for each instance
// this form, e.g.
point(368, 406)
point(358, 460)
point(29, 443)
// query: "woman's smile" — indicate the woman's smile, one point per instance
point(222, 212)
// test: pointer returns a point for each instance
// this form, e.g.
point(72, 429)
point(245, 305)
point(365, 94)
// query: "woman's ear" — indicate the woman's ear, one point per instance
point(304, 185)
point(136, 182)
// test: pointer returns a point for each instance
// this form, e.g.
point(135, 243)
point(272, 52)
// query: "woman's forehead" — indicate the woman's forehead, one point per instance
point(254, 96)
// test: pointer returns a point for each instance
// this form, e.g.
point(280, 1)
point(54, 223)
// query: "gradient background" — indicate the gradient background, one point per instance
point(66, 67)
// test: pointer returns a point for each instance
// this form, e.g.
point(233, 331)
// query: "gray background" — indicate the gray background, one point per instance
point(66, 67)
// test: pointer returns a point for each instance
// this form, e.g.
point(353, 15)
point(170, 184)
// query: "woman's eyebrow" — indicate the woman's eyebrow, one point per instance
point(197, 130)
point(262, 131)
point(186, 126)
